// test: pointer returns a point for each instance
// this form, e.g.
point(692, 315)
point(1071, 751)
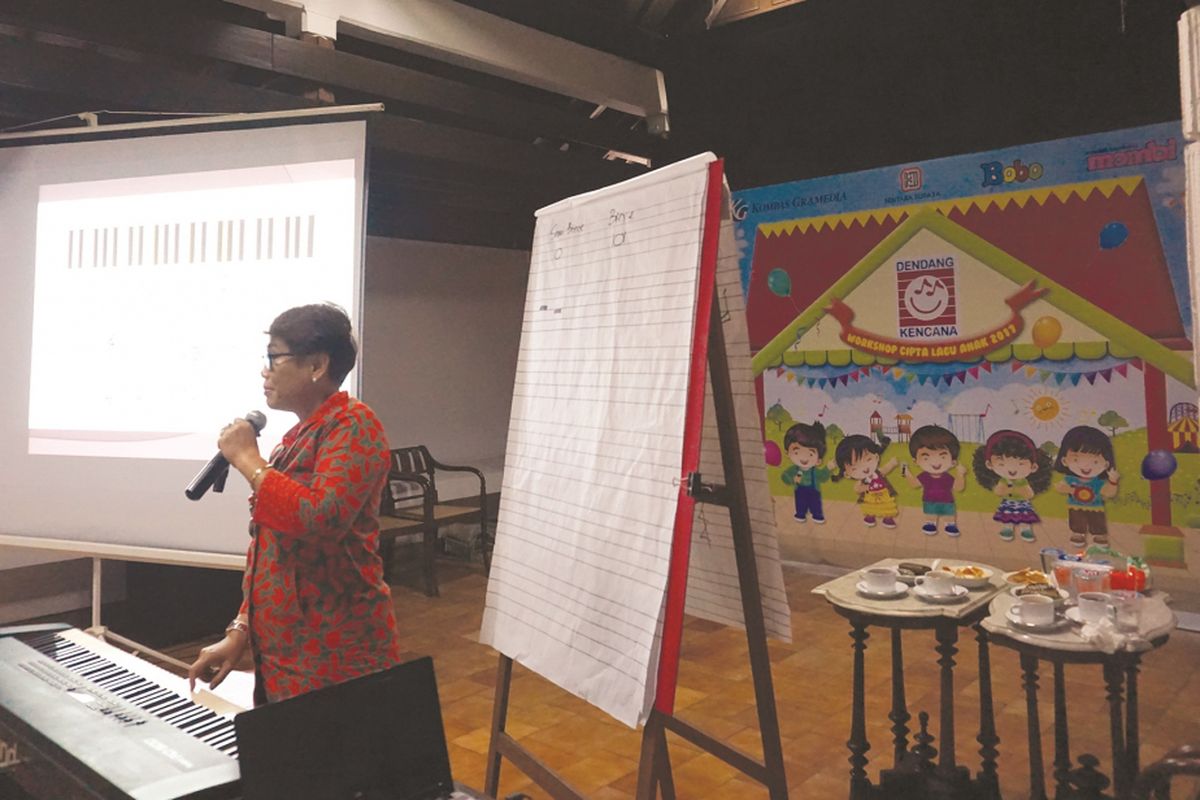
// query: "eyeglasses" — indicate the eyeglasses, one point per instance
point(269, 360)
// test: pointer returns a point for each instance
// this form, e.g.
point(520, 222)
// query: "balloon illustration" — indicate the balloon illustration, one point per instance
point(772, 454)
point(1046, 331)
point(1113, 235)
point(1158, 464)
point(779, 282)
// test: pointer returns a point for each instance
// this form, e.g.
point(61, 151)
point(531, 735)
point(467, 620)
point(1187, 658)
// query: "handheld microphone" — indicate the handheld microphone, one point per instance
point(214, 472)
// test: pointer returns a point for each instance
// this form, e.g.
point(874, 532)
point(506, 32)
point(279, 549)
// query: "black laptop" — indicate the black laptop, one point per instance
point(378, 737)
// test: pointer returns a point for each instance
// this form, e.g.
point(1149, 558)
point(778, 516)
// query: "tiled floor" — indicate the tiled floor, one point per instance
point(812, 682)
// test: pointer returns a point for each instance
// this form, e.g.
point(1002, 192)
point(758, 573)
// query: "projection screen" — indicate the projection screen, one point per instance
point(139, 276)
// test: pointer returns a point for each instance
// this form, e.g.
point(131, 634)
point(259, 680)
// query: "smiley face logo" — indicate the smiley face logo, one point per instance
point(927, 298)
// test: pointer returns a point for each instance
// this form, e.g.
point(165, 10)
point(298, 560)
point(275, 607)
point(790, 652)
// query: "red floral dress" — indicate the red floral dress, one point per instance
point(320, 611)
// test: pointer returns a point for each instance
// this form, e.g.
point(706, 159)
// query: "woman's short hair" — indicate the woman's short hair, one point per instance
point(319, 328)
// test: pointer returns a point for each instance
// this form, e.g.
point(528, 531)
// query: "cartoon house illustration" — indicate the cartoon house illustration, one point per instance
point(948, 292)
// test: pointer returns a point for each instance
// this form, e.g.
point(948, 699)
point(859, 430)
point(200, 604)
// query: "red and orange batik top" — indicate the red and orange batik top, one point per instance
point(320, 611)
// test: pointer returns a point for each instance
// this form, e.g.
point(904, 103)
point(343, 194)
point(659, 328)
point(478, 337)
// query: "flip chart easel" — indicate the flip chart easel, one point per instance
point(708, 351)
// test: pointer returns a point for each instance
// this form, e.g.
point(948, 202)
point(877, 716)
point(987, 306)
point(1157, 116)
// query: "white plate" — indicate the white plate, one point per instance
point(898, 590)
point(970, 583)
point(1072, 614)
point(958, 593)
point(1015, 622)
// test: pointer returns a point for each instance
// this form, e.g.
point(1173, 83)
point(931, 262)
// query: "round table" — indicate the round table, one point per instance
point(1065, 646)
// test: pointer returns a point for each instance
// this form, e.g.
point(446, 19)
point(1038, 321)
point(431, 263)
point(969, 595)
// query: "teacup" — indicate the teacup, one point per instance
point(1093, 606)
point(880, 579)
point(937, 582)
point(1035, 610)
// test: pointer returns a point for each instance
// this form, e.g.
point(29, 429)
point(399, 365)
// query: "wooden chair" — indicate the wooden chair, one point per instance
point(411, 505)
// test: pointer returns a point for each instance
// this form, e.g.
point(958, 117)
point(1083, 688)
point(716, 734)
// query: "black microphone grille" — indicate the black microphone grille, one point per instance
point(257, 420)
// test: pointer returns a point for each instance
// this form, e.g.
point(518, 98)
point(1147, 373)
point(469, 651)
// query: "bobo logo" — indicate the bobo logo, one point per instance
point(996, 174)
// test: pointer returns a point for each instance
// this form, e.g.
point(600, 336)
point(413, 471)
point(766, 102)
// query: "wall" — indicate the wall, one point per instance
point(441, 330)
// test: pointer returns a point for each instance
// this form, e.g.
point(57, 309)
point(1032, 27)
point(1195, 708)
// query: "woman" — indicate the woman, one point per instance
point(316, 609)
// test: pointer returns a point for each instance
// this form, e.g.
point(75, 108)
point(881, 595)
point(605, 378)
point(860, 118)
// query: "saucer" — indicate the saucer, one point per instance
point(1072, 614)
point(953, 596)
point(898, 589)
point(1015, 622)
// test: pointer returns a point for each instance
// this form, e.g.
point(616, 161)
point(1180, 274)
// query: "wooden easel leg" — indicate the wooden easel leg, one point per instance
point(491, 782)
point(654, 769)
point(747, 566)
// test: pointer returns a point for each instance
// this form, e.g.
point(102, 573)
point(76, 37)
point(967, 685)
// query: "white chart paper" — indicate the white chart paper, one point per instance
point(594, 454)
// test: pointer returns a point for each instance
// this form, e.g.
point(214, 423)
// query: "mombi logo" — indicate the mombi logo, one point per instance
point(1152, 153)
point(997, 174)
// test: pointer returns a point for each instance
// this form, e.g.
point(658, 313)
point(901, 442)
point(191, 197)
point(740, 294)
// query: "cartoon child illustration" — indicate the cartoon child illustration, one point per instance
point(1015, 470)
point(1086, 456)
point(805, 447)
point(857, 457)
point(935, 451)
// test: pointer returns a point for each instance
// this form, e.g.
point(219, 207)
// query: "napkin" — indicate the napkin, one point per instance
point(1105, 637)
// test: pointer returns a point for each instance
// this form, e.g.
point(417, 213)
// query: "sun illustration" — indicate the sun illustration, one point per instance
point(1045, 406)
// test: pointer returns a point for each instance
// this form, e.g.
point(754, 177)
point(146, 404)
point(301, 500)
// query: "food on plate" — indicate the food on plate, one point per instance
point(910, 568)
point(966, 571)
point(1028, 576)
point(1038, 589)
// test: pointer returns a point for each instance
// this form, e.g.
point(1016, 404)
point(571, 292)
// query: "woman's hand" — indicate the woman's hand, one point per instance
point(238, 442)
point(218, 659)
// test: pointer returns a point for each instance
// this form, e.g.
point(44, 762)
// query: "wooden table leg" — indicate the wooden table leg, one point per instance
point(989, 780)
point(1113, 679)
point(899, 715)
point(1037, 778)
point(1062, 741)
point(947, 636)
point(860, 786)
point(1133, 761)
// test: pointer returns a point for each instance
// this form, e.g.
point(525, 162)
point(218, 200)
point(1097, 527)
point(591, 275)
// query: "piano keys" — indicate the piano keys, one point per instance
point(82, 719)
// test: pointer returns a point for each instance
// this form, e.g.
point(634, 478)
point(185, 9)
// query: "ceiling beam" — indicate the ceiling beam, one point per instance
point(117, 85)
point(468, 37)
point(249, 47)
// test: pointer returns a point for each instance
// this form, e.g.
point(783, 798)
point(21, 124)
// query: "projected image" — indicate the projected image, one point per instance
point(152, 295)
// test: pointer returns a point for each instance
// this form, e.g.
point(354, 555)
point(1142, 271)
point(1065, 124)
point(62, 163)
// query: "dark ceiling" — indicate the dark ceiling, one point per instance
point(820, 87)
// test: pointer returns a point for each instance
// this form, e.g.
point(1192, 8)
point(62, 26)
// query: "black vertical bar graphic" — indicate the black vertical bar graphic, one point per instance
point(104, 250)
point(296, 242)
point(191, 242)
point(141, 245)
point(203, 242)
point(129, 249)
point(116, 245)
point(287, 237)
point(229, 240)
point(155, 248)
point(220, 240)
point(270, 237)
point(95, 247)
point(79, 255)
point(176, 259)
point(166, 244)
point(242, 239)
point(70, 248)
point(312, 225)
point(258, 240)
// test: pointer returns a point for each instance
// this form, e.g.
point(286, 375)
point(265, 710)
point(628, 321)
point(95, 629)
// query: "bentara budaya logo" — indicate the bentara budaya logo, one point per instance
point(996, 173)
